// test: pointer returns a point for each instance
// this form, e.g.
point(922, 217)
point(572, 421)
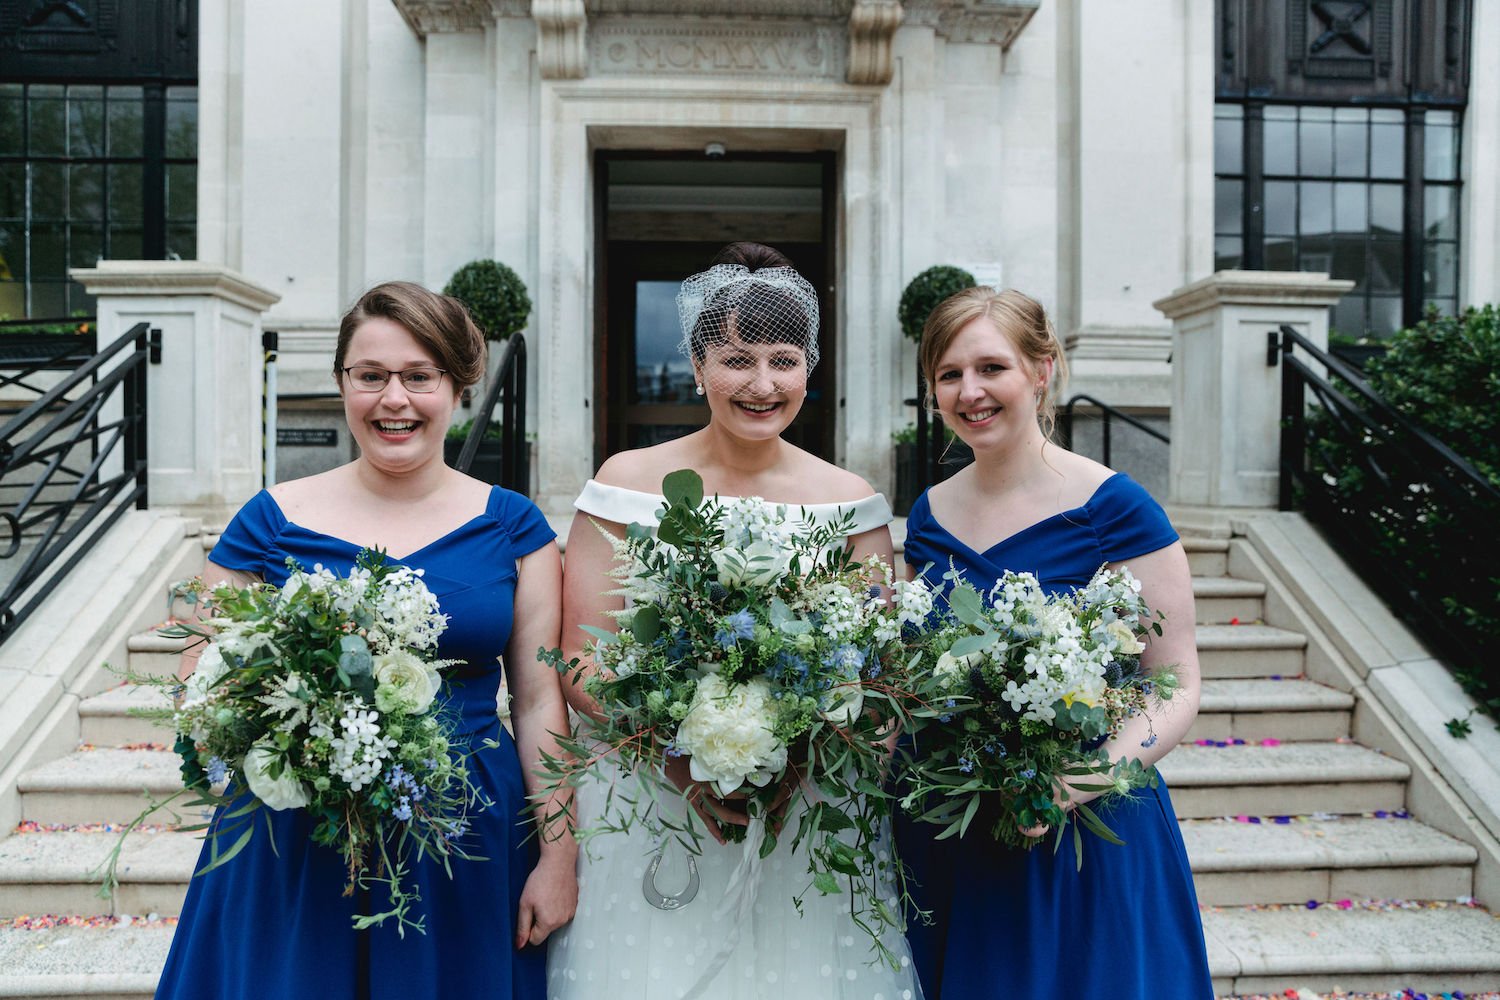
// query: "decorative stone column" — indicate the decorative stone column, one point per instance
point(204, 400)
point(1226, 401)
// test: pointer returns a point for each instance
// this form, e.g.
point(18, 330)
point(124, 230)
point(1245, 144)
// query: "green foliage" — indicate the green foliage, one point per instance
point(494, 295)
point(1444, 376)
point(460, 431)
point(925, 292)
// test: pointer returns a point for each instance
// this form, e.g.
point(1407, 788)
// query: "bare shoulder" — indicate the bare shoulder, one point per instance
point(1082, 476)
point(296, 495)
point(826, 482)
point(643, 469)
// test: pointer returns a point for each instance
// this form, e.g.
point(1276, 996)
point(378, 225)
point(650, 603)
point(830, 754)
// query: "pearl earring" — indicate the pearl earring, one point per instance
point(698, 388)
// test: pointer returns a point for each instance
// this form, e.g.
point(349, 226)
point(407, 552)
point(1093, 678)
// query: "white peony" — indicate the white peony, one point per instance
point(727, 733)
point(285, 792)
point(404, 682)
point(760, 564)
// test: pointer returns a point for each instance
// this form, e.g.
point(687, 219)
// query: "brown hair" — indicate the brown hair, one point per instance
point(1020, 318)
point(753, 256)
point(439, 322)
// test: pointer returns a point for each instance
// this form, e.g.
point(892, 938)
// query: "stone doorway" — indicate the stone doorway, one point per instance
point(663, 215)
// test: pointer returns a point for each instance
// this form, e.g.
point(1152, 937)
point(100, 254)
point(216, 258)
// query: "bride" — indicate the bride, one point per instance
point(723, 924)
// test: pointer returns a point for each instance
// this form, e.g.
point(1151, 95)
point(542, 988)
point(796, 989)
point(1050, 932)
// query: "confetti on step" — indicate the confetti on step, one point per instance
point(32, 826)
point(1406, 994)
point(49, 921)
point(1365, 905)
point(89, 747)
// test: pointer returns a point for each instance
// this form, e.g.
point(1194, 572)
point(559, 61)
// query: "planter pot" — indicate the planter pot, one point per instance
point(486, 460)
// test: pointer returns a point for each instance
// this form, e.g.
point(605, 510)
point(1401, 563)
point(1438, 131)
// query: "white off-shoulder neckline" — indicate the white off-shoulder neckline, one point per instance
point(626, 506)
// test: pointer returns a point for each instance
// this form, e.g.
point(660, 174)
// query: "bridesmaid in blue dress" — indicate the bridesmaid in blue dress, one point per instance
point(1013, 923)
point(273, 922)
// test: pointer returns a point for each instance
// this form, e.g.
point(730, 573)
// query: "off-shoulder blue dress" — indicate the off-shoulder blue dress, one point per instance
point(274, 923)
point(1011, 923)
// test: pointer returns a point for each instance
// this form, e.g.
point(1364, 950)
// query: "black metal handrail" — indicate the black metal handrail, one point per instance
point(54, 451)
point(508, 390)
point(1107, 414)
point(1411, 516)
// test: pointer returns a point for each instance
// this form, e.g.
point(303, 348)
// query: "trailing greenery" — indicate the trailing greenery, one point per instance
point(460, 431)
point(74, 327)
point(494, 295)
point(1444, 376)
point(925, 292)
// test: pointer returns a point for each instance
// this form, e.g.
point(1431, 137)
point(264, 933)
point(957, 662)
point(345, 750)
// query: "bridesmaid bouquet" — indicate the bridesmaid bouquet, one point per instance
point(758, 651)
point(1018, 690)
point(321, 695)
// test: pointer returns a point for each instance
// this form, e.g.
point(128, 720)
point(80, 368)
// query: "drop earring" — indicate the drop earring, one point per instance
point(698, 388)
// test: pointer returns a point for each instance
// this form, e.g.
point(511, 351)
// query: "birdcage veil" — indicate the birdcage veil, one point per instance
point(730, 303)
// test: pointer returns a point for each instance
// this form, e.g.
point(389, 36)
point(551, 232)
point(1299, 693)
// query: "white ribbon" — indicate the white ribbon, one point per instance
point(737, 906)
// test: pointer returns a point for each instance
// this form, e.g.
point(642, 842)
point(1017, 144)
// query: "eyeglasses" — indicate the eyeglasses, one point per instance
point(368, 378)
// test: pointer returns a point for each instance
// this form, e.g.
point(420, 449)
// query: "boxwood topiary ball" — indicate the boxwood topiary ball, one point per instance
point(494, 295)
point(925, 292)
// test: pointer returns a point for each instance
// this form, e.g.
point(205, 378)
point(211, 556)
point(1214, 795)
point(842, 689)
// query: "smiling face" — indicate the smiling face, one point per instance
point(398, 431)
point(985, 390)
point(753, 390)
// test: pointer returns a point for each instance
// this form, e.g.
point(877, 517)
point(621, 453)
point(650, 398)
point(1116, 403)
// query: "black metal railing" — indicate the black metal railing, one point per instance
point(73, 458)
point(1107, 415)
point(1412, 517)
point(508, 391)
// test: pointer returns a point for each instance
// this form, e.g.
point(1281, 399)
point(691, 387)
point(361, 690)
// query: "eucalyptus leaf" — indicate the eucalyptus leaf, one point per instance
point(355, 659)
point(967, 605)
point(683, 488)
point(645, 624)
point(973, 644)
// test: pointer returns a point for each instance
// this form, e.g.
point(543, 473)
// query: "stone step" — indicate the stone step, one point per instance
point(1207, 556)
point(73, 963)
point(1367, 948)
point(107, 718)
point(54, 871)
point(1250, 651)
point(1257, 708)
point(154, 654)
point(1284, 780)
point(100, 786)
point(1223, 599)
point(1303, 858)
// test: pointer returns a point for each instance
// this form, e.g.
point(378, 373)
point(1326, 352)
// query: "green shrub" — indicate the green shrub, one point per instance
point(1444, 376)
point(460, 431)
point(494, 295)
point(925, 292)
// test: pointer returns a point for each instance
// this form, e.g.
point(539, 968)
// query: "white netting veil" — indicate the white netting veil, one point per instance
point(745, 330)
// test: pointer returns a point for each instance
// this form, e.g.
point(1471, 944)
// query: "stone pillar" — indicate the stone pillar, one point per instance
point(1226, 401)
point(204, 400)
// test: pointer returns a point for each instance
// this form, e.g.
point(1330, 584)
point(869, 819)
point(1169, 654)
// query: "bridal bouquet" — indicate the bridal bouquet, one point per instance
point(1018, 690)
point(757, 650)
point(322, 695)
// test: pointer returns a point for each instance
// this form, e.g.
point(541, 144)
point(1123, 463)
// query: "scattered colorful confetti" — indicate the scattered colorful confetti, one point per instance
point(47, 921)
point(1406, 994)
point(1366, 905)
point(32, 826)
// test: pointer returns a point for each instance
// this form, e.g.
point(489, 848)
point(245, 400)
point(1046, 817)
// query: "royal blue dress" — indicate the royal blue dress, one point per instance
point(275, 923)
point(1011, 923)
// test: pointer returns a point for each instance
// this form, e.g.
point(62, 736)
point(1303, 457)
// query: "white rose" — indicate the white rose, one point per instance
point(952, 670)
point(843, 704)
point(727, 733)
point(404, 682)
point(210, 670)
point(285, 792)
point(759, 564)
point(1125, 640)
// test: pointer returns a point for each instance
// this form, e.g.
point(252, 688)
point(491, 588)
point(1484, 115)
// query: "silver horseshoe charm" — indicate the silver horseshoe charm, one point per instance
point(659, 899)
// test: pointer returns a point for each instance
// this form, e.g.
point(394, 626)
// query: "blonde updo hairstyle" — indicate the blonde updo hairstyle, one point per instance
point(1024, 323)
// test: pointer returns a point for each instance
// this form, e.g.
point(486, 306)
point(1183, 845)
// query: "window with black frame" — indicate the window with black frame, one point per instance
point(1330, 191)
point(91, 172)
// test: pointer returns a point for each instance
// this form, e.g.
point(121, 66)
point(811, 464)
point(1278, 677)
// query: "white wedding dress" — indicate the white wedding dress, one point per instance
point(740, 937)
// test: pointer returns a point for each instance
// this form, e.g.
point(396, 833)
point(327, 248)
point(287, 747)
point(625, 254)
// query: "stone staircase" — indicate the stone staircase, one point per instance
point(1310, 870)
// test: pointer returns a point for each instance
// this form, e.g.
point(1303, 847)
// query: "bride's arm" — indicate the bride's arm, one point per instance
point(585, 601)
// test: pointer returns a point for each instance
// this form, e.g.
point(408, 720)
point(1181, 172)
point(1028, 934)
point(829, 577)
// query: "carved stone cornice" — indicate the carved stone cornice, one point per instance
point(982, 21)
point(428, 17)
point(561, 45)
point(794, 9)
point(872, 28)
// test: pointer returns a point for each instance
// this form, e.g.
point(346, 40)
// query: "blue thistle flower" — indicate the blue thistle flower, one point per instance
point(740, 625)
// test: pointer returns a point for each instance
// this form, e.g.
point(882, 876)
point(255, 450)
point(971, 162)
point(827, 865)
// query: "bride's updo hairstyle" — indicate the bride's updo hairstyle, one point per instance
point(1020, 318)
point(439, 322)
point(753, 294)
